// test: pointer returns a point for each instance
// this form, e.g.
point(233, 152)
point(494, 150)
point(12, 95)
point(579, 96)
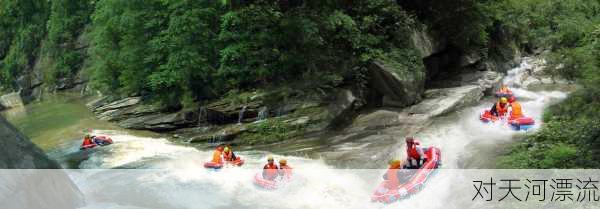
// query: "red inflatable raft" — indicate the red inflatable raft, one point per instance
point(97, 141)
point(213, 165)
point(237, 162)
point(414, 183)
point(270, 184)
point(522, 123)
point(487, 116)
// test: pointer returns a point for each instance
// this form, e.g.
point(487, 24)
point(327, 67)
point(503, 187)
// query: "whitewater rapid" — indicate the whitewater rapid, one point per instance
point(169, 175)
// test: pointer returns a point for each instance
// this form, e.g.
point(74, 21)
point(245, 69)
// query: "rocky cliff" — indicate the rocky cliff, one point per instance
point(29, 178)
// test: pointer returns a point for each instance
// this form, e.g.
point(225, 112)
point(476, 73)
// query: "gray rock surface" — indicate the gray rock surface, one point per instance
point(11, 100)
point(32, 188)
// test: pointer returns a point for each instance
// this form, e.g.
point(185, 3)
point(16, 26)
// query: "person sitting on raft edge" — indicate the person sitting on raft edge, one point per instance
point(270, 170)
point(284, 169)
point(217, 155)
point(415, 156)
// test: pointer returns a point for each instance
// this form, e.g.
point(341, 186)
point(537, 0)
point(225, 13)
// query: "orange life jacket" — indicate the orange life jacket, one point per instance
point(516, 110)
point(411, 150)
point(217, 157)
point(270, 171)
point(392, 178)
point(501, 110)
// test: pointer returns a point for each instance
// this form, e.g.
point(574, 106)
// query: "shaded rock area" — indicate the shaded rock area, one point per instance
point(32, 188)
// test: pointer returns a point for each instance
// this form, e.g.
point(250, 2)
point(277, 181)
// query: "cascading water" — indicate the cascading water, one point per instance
point(181, 181)
point(241, 114)
point(263, 113)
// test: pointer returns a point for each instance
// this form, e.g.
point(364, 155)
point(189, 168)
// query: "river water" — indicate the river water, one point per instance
point(57, 125)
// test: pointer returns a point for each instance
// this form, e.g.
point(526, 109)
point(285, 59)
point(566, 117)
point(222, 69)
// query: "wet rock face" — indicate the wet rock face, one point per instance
point(32, 188)
point(18, 152)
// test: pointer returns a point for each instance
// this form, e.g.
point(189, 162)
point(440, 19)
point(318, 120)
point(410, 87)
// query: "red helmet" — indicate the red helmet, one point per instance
point(220, 148)
point(512, 99)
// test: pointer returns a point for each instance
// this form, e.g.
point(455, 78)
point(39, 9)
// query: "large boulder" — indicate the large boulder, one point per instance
point(399, 86)
point(11, 100)
point(425, 43)
point(31, 188)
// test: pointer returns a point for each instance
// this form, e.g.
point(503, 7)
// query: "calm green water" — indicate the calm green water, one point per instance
point(59, 119)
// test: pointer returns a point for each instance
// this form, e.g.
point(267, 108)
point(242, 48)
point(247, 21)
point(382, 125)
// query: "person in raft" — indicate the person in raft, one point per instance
point(270, 170)
point(514, 110)
point(87, 141)
point(395, 175)
point(500, 108)
point(415, 156)
point(284, 169)
point(228, 154)
point(217, 155)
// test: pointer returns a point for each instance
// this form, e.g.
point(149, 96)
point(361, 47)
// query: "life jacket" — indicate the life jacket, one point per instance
point(228, 156)
point(411, 150)
point(87, 142)
point(501, 110)
point(217, 157)
point(270, 171)
point(392, 178)
point(516, 110)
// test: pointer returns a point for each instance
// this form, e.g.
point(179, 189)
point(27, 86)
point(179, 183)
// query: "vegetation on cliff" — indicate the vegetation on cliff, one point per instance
point(570, 137)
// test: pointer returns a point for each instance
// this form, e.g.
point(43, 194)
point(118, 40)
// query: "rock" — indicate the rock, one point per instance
point(424, 42)
point(128, 112)
point(127, 102)
point(96, 103)
point(223, 112)
point(32, 188)
point(342, 109)
point(488, 81)
point(398, 88)
point(161, 121)
point(11, 100)
point(226, 134)
point(469, 59)
point(442, 101)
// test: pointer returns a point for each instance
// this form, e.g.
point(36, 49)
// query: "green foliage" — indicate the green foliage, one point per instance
point(570, 137)
point(23, 27)
point(66, 22)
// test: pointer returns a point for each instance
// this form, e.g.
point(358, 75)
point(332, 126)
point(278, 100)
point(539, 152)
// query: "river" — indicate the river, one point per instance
point(58, 123)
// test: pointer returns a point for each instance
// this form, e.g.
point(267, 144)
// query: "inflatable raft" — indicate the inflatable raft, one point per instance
point(98, 141)
point(237, 162)
point(487, 117)
point(270, 184)
point(522, 123)
point(414, 182)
